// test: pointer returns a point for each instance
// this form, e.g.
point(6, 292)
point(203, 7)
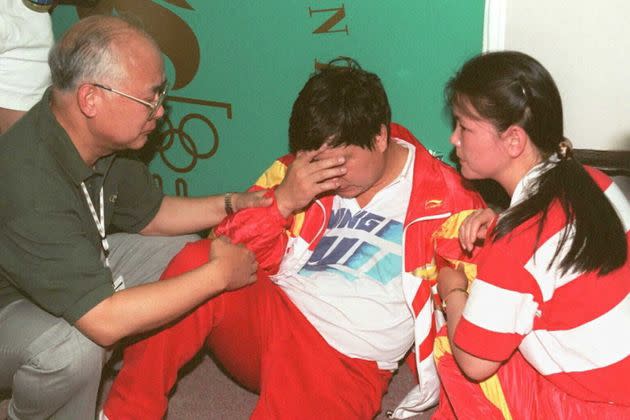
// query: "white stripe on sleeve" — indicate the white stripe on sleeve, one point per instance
point(596, 344)
point(500, 310)
point(620, 203)
point(549, 279)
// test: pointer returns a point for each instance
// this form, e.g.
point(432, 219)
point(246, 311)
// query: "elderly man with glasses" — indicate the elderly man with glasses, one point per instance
point(153, 106)
point(69, 288)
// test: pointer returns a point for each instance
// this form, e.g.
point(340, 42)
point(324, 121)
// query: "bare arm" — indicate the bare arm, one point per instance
point(180, 215)
point(450, 281)
point(148, 306)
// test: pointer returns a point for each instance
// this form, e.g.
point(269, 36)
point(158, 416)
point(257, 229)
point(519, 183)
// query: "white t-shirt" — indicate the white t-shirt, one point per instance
point(25, 38)
point(351, 287)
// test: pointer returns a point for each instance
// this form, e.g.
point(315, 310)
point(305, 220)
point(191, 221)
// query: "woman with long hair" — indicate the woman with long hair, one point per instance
point(543, 331)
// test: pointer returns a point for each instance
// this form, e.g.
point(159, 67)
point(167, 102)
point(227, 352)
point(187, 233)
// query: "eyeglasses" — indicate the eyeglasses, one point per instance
point(152, 106)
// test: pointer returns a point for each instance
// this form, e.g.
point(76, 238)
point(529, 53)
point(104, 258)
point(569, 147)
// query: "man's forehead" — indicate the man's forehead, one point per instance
point(333, 151)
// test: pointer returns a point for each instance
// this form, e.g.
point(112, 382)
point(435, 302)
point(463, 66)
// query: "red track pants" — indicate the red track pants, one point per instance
point(516, 391)
point(264, 342)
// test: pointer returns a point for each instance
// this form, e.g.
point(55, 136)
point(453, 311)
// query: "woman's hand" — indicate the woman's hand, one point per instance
point(475, 227)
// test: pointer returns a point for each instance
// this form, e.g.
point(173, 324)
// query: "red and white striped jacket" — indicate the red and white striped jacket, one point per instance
point(571, 327)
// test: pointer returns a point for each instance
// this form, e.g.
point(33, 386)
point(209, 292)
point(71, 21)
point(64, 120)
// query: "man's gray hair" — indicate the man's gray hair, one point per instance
point(87, 53)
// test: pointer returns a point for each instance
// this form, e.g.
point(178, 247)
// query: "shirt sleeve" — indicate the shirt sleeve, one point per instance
point(25, 30)
point(263, 230)
point(501, 308)
point(136, 197)
point(52, 262)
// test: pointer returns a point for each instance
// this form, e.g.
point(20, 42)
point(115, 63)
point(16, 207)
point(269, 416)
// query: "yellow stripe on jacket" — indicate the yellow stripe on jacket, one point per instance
point(271, 178)
point(491, 387)
point(449, 248)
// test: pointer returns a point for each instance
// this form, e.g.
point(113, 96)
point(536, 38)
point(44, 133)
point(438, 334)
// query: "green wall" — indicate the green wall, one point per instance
point(238, 66)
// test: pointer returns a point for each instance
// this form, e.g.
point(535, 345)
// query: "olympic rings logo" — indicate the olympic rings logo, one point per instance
point(177, 137)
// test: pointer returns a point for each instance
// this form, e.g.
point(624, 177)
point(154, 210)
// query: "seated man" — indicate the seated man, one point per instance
point(347, 258)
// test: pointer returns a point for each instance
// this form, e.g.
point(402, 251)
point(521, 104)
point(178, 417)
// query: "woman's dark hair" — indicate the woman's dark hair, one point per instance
point(511, 88)
point(341, 104)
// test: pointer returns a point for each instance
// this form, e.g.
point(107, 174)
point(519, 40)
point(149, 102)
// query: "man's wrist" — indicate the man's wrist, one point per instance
point(284, 210)
point(227, 203)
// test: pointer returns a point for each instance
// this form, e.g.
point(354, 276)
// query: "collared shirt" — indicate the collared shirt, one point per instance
point(50, 248)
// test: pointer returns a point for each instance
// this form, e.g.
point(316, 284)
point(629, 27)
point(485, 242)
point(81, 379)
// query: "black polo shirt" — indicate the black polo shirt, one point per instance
point(50, 248)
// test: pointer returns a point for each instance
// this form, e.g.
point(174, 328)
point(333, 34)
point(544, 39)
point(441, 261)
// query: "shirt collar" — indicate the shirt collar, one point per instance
point(526, 186)
point(61, 146)
point(406, 171)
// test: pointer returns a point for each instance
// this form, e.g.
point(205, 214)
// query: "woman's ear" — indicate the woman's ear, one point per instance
point(87, 99)
point(515, 139)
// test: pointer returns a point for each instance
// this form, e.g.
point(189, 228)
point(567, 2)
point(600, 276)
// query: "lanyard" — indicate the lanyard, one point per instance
point(119, 282)
point(100, 222)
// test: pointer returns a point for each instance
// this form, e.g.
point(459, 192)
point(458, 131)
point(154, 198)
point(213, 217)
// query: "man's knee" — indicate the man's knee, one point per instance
point(63, 377)
point(76, 362)
point(38, 345)
point(86, 365)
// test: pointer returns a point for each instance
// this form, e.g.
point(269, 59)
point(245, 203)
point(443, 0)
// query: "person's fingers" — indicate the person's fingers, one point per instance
point(481, 233)
point(328, 185)
point(319, 170)
point(328, 174)
point(471, 233)
point(331, 162)
point(308, 155)
point(464, 235)
point(309, 178)
point(475, 227)
point(321, 149)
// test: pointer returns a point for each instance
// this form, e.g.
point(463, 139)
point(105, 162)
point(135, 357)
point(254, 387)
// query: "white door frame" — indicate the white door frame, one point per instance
point(494, 25)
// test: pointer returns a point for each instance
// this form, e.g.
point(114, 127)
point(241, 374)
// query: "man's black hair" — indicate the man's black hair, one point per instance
point(339, 105)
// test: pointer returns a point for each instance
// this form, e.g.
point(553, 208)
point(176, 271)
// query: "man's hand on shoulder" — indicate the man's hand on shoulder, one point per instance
point(306, 178)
